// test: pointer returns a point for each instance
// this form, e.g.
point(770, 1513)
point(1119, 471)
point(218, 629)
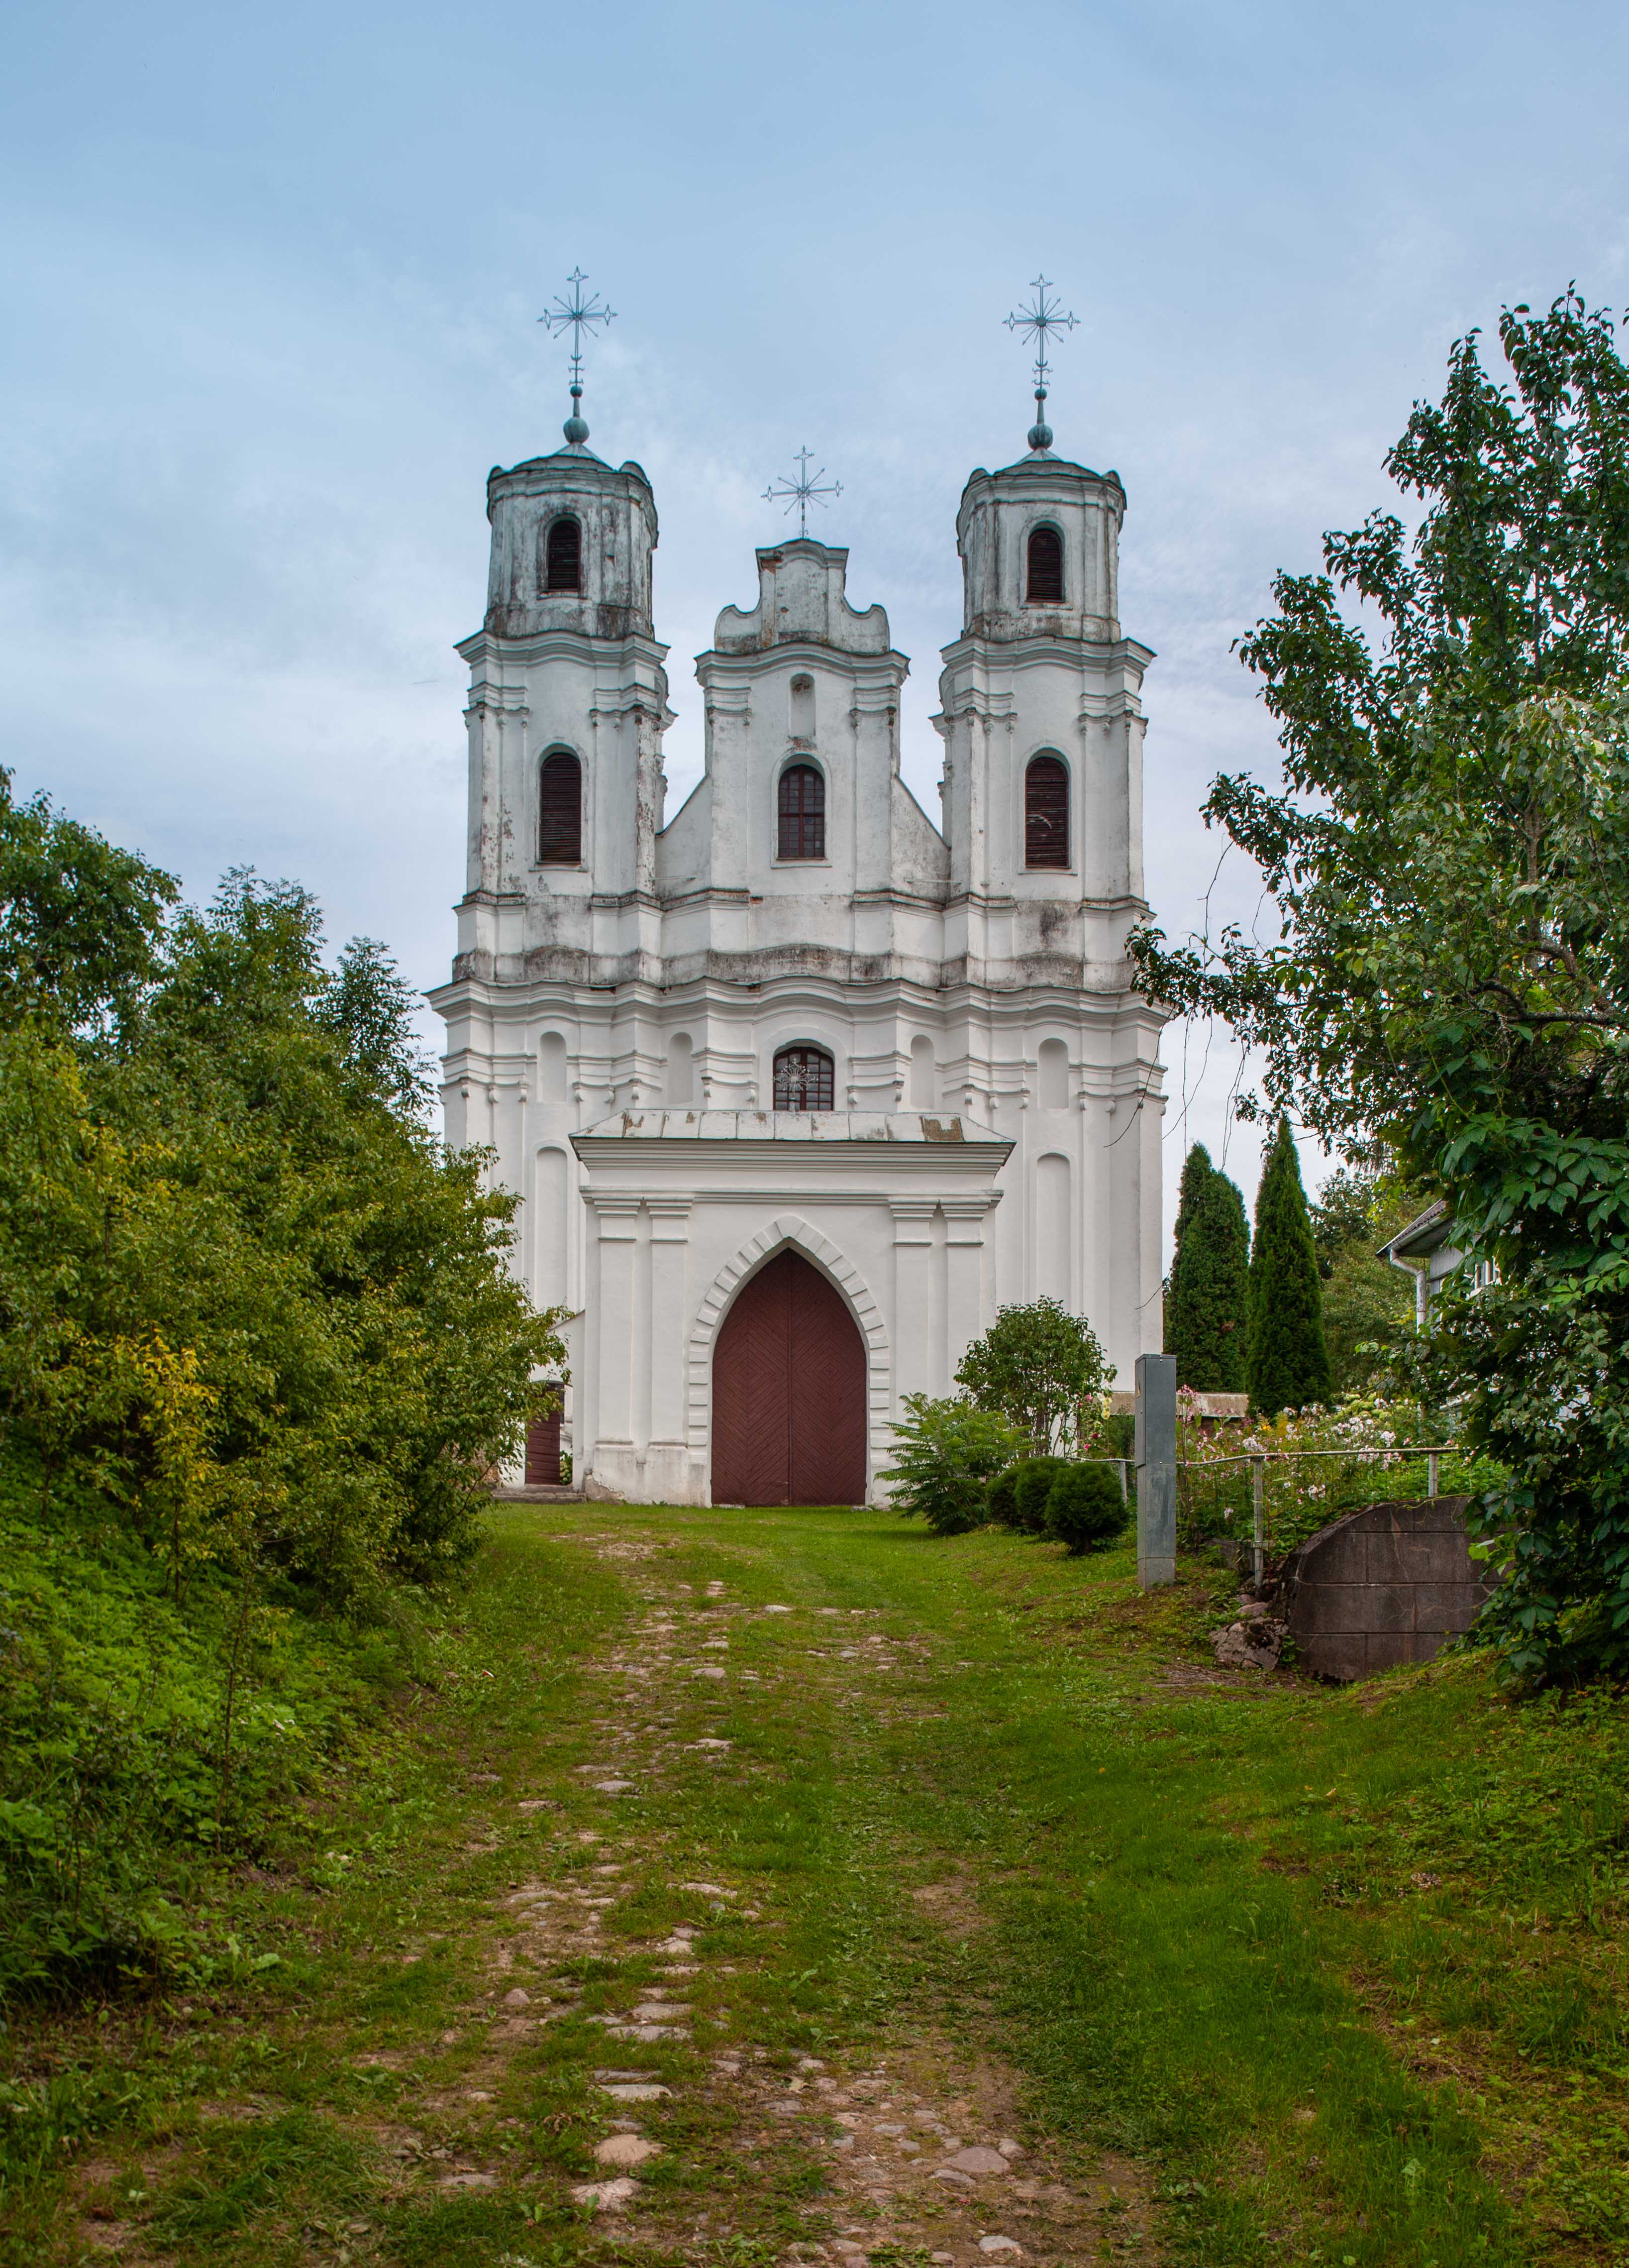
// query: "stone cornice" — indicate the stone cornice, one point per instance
point(485, 645)
point(889, 668)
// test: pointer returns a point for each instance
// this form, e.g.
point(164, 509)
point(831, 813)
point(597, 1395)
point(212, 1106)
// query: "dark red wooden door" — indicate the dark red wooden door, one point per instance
point(543, 1452)
point(788, 1393)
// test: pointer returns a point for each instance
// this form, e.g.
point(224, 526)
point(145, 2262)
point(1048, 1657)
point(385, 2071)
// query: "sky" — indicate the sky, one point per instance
point(270, 288)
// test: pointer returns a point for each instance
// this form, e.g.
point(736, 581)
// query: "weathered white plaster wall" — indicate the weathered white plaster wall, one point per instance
point(933, 968)
point(683, 1206)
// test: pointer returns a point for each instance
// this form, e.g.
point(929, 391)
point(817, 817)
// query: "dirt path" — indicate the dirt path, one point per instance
point(914, 2149)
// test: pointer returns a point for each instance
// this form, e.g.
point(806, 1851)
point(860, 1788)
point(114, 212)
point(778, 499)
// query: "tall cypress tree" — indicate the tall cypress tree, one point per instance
point(1206, 1306)
point(1288, 1363)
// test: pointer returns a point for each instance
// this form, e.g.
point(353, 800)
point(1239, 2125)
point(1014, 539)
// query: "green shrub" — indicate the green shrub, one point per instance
point(945, 1455)
point(261, 1347)
point(1033, 1482)
point(1085, 1509)
point(1000, 1499)
point(143, 1742)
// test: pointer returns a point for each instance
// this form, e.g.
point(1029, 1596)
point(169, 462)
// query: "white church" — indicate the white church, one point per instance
point(798, 1086)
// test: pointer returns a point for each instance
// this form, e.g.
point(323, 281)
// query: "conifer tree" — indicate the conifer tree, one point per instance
point(1207, 1304)
point(1288, 1363)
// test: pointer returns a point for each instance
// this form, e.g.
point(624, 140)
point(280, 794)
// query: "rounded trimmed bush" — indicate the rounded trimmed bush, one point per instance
point(1032, 1480)
point(1085, 1509)
point(999, 1499)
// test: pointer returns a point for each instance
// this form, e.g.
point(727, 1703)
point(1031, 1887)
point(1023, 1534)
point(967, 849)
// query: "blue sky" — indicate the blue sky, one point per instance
point(271, 279)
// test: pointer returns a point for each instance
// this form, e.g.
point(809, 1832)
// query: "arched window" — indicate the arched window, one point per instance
point(802, 814)
point(1046, 812)
point(560, 811)
point(803, 1079)
point(1044, 584)
point(563, 558)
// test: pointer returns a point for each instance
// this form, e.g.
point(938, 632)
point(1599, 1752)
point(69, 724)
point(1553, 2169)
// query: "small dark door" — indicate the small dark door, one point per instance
point(543, 1452)
point(788, 1392)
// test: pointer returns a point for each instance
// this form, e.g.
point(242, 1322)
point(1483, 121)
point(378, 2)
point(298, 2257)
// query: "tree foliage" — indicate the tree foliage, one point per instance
point(1288, 1363)
point(1040, 1368)
point(1449, 859)
point(946, 1454)
point(1367, 1301)
point(259, 1350)
point(1208, 1299)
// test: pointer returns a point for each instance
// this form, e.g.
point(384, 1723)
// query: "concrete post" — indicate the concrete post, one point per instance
point(1156, 1469)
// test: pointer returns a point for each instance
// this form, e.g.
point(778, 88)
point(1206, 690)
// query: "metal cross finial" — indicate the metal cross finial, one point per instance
point(1038, 322)
point(803, 490)
point(581, 315)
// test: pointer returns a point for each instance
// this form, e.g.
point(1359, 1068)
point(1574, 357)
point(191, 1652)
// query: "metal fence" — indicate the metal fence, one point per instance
point(1258, 1459)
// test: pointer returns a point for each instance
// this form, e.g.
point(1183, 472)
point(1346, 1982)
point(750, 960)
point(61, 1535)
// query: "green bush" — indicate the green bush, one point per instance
point(999, 1498)
point(144, 1742)
point(1085, 1509)
point(260, 1350)
point(1033, 1482)
point(946, 1456)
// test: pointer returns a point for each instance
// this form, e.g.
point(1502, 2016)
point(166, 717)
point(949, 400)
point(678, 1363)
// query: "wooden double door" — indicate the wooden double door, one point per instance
point(788, 1392)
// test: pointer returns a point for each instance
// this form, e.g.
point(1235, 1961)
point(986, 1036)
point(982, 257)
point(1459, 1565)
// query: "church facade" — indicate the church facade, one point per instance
point(798, 1086)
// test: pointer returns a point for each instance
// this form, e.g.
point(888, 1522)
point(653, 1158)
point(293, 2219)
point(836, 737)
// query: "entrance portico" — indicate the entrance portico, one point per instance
point(684, 1206)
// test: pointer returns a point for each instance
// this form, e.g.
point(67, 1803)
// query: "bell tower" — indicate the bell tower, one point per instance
point(568, 707)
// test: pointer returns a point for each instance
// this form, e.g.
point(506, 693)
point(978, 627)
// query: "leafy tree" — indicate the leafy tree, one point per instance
point(1450, 861)
point(375, 1012)
point(1085, 1509)
point(1206, 1304)
point(946, 1454)
point(1367, 1301)
point(80, 922)
point(260, 1350)
point(1288, 1366)
point(1039, 1367)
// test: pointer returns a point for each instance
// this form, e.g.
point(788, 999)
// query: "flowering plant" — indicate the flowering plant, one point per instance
point(1314, 1464)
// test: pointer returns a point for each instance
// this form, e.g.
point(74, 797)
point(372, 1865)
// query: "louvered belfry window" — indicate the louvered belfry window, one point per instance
point(803, 1079)
point(560, 811)
point(1044, 585)
point(802, 814)
point(563, 558)
point(1046, 812)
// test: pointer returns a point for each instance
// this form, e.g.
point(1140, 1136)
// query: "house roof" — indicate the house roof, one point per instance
point(1420, 1237)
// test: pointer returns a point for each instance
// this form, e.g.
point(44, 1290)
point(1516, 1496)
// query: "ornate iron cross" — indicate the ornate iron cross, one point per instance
point(803, 490)
point(1038, 322)
point(581, 315)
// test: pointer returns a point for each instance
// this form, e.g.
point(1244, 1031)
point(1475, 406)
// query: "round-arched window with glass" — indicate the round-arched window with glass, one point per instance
point(802, 808)
point(803, 1079)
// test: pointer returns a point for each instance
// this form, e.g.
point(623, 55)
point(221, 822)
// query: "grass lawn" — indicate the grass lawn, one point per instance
point(874, 1850)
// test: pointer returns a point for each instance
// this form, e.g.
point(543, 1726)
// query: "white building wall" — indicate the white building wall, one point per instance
point(944, 977)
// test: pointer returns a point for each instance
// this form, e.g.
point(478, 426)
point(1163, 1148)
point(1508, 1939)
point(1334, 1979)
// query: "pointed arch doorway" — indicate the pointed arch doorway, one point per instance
point(788, 1392)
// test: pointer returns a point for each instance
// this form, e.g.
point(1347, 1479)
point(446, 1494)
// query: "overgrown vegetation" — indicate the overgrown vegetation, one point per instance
point(1450, 865)
point(1367, 1301)
point(1316, 1464)
point(259, 1351)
